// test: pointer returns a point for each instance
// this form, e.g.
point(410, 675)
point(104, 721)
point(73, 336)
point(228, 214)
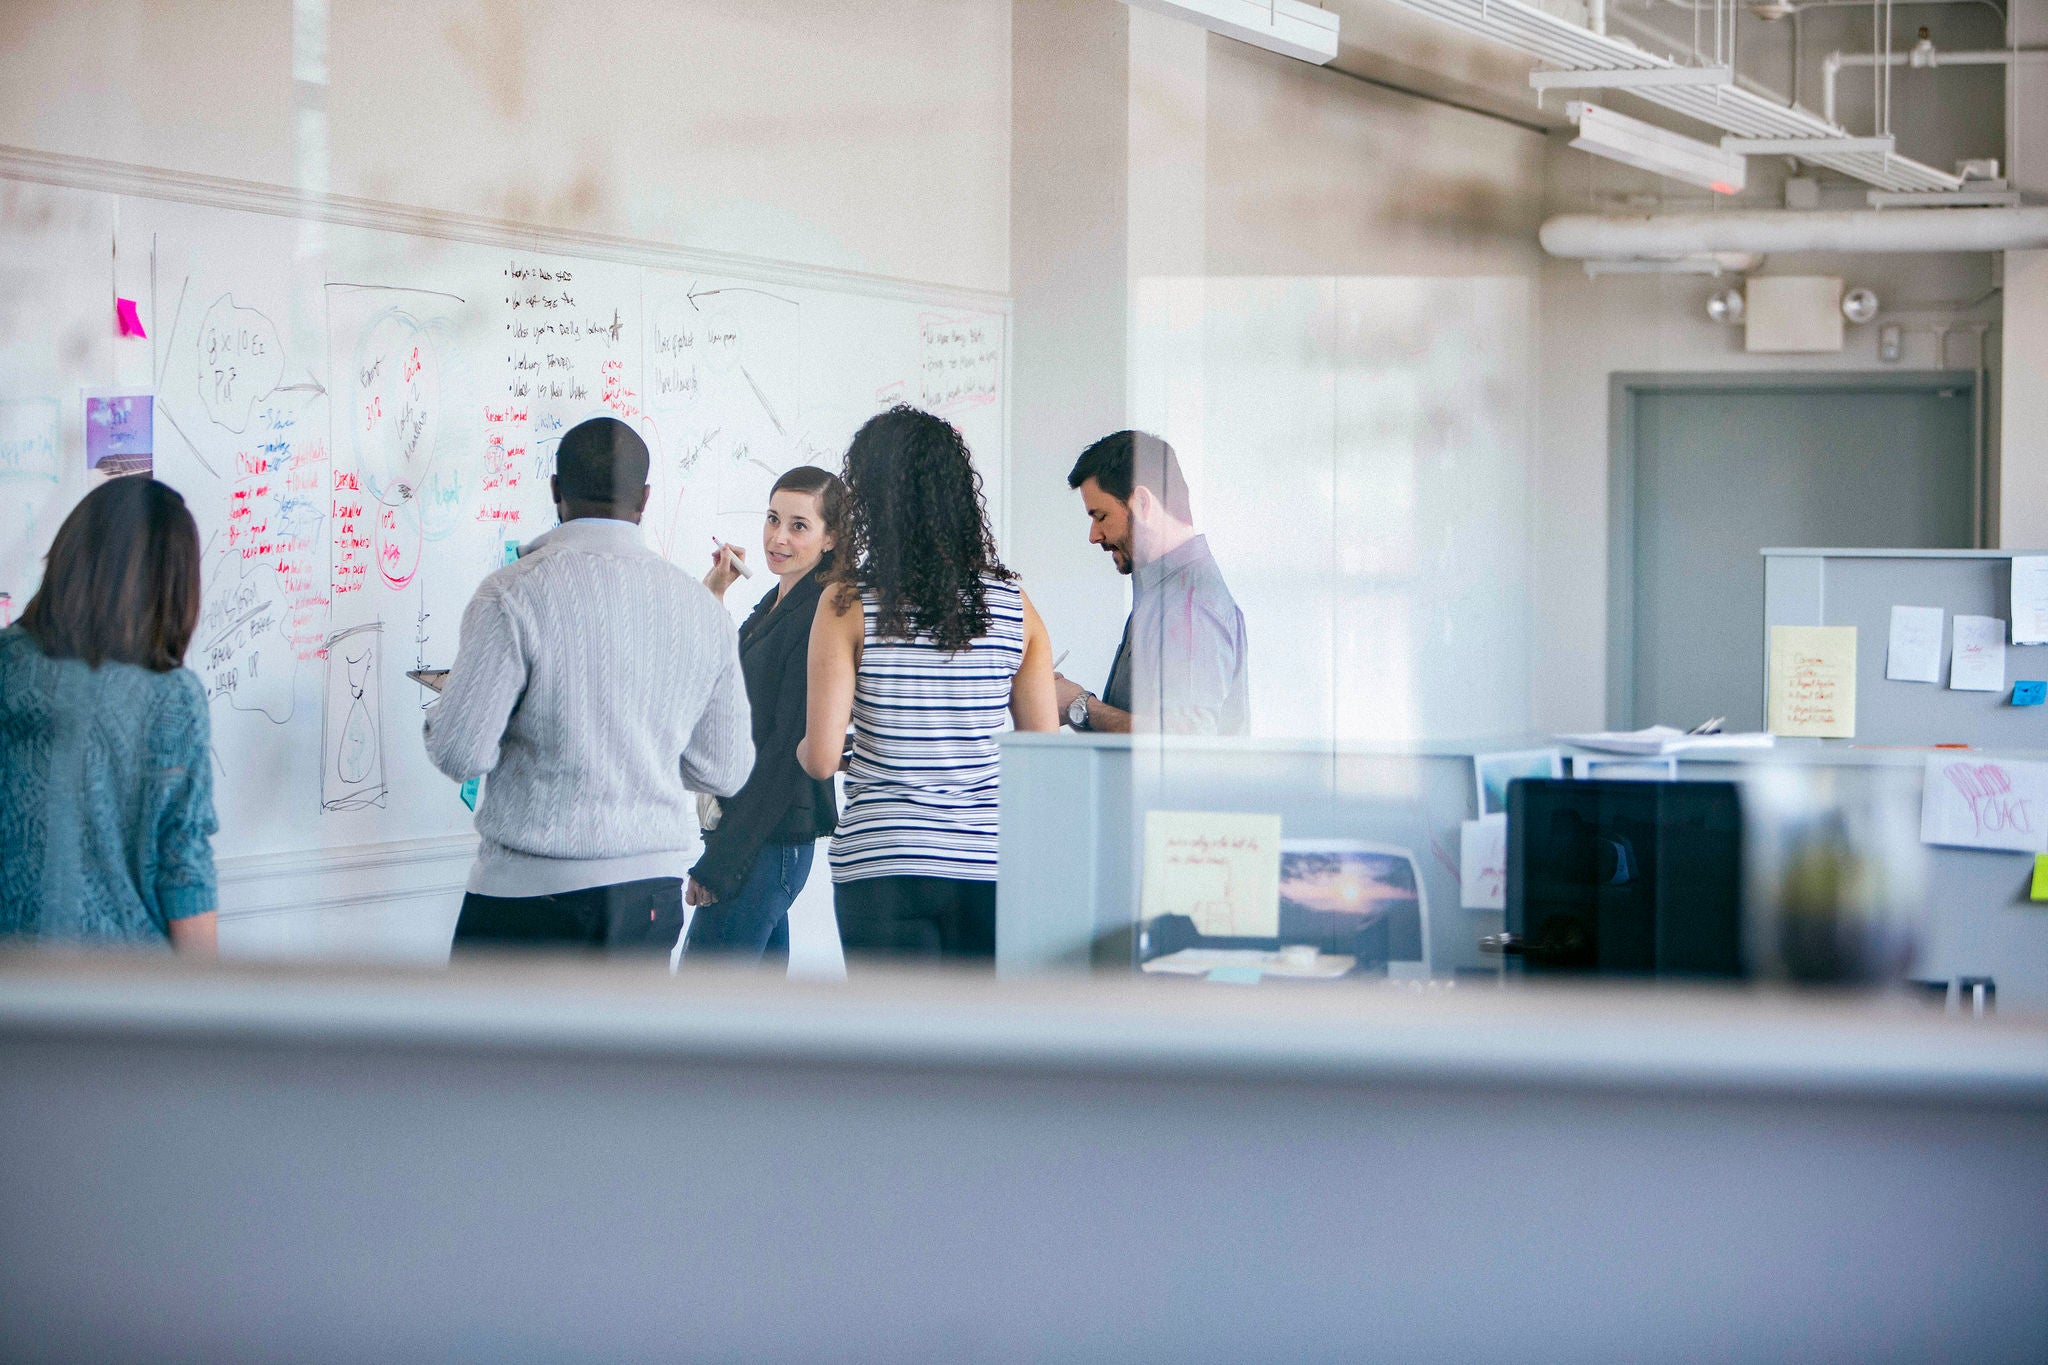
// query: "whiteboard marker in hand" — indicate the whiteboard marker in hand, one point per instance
point(735, 560)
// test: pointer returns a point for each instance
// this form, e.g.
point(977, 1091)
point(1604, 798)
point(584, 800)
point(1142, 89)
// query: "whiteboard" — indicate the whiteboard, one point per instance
point(363, 422)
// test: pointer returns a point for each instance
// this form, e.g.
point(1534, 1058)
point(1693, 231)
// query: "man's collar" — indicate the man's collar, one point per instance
point(1189, 552)
point(595, 533)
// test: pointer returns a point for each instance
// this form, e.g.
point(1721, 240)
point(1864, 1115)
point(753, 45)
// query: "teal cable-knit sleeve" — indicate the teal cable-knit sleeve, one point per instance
point(180, 746)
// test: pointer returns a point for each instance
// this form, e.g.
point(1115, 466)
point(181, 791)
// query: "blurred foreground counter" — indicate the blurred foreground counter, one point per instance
point(553, 1162)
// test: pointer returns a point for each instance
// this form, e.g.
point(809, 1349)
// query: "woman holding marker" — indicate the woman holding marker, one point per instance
point(927, 646)
point(106, 813)
point(757, 854)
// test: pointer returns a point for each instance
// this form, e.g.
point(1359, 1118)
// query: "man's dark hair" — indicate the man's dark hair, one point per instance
point(123, 579)
point(603, 462)
point(1135, 459)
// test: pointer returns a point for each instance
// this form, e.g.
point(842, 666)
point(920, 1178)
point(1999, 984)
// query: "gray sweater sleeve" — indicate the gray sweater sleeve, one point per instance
point(464, 728)
point(720, 753)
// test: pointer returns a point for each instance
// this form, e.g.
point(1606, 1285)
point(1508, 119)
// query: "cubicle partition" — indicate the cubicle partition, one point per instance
point(1073, 822)
point(1812, 587)
point(1979, 918)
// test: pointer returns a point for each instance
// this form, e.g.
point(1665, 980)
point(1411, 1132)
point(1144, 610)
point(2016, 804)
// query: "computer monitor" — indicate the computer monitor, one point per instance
point(1625, 877)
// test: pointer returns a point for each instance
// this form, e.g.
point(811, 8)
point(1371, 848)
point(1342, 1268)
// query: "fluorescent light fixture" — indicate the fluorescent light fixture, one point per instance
point(1305, 32)
point(1657, 150)
point(1806, 146)
point(1631, 78)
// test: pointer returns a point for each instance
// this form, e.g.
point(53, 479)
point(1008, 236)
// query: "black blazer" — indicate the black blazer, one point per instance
point(781, 803)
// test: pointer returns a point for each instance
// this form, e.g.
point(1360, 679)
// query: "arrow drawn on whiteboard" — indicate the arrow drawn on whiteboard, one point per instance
point(694, 294)
point(311, 385)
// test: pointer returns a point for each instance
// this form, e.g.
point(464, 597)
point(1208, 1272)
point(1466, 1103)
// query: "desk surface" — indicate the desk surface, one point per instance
point(1831, 753)
point(1728, 1040)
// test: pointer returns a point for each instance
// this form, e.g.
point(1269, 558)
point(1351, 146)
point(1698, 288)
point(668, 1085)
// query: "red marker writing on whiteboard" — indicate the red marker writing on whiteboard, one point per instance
point(732, 557)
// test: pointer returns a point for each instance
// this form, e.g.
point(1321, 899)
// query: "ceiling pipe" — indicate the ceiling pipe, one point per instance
point(1926, 55)
point(1591, 236)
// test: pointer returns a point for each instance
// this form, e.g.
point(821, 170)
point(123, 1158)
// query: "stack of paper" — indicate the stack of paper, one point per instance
point(1260, 961)
point(1663, 739)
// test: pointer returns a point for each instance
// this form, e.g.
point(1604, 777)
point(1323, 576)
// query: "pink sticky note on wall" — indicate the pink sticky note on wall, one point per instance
point(131, 321)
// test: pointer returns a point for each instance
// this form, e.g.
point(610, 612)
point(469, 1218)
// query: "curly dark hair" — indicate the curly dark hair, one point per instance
point(915, 530)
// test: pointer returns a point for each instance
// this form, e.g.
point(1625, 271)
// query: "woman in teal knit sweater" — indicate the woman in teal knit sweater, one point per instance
point(106, 788)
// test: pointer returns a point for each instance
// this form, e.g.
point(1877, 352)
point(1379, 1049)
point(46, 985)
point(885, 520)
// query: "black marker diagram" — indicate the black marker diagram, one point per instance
point(352, 728)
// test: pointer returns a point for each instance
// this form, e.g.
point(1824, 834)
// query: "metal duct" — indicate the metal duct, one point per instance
point(1588, 236)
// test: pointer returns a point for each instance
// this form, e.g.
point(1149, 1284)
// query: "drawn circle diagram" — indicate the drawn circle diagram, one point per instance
point(395, 407)
point(240, 362)
point(398, 542)
point(394, 417)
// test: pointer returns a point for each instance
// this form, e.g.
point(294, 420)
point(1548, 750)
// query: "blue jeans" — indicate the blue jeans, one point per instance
point(754, 920)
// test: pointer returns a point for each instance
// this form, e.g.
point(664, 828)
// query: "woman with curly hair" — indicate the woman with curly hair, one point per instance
point(945, 648)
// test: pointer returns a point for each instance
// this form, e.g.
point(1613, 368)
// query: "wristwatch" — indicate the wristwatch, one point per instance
point(1077, 712)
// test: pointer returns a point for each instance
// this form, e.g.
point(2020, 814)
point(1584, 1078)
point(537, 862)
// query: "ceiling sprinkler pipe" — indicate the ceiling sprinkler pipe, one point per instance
point(1590, 236)
point(1926, 56)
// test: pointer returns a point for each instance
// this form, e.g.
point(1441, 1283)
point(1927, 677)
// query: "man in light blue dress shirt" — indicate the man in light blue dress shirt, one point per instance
point(1181, 666)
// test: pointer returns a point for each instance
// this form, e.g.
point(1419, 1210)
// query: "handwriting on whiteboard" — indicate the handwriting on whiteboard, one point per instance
point(28, 438)
point(960, 361)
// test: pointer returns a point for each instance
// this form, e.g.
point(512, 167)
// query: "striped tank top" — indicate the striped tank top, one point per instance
point(921, 787)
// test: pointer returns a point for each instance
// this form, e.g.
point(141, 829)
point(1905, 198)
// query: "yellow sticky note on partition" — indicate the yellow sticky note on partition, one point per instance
point(2041, 877)
point(1219, 868)
point(1813, 681)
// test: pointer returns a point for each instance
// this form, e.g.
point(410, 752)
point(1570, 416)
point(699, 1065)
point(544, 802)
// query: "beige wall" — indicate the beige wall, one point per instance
point(1069, 235)
point(2023, 424)
point(1313, 173)
point(864, 137)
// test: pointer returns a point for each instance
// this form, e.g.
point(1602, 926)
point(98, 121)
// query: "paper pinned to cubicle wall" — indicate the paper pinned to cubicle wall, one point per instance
point(1219, 868)
point(1813, 681)
point(1915, 653)
point(1483, 863)
point(1978, 664)
point(1973, 802)
point(2030, 599)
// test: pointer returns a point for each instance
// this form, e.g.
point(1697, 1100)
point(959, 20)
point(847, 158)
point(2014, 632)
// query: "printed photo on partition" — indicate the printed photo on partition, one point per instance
point(119, 435)
point(1493, 772)
point(1350, 897)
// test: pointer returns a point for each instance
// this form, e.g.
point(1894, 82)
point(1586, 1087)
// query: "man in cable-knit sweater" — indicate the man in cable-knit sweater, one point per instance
point(596, 687)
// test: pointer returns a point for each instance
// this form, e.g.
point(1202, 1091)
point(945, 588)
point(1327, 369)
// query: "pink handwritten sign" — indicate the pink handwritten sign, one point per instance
point(1978, 802)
